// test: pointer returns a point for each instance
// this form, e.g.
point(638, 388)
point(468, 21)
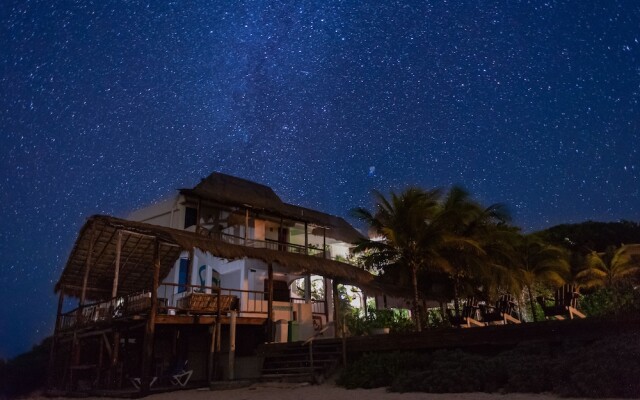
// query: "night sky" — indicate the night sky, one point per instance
point(107, 106)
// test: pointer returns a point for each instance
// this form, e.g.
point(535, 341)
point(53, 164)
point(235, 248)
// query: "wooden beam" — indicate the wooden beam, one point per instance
point(306, 238)
point(83, 294)
point(149, 333)
point(54, 339)
point(104, 248)
point(270, 303)
point(192, 261)
point(232, 345)
point(246, 225)
point(336, 307)
point(116, 272)
point(212, 353)
point(324, 243)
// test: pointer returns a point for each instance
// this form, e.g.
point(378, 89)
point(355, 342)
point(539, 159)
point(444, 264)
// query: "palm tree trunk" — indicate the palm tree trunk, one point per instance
point(533, 309)
point(416, 300)
point(456, 302)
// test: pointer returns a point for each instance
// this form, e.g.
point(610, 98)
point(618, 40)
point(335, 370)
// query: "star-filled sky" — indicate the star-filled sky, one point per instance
point(106, 106)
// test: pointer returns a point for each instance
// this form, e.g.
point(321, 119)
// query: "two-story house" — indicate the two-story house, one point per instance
point(211, 272)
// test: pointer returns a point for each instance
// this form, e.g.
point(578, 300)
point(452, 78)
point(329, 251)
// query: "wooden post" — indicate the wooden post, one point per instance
point(270, 303)
point(325, 285)
point(246, 225)
point(336, 307)
point(147, 355)
point(83, 294)
point(100, 358)
point(116, 273)
point(192, 261)
point(344, 342)
point(115, 354)
point(212, 353)
point(307, 279)
point(324, 243)
point(54, 339)
point(113, 362)
point(232, 345)
point(306, 238)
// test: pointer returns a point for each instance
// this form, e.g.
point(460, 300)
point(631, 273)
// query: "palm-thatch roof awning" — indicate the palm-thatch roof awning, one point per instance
point(97, 243)
point(233, 191)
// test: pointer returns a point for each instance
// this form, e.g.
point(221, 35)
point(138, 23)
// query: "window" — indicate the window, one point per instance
point(190, 217)
point(182, 275)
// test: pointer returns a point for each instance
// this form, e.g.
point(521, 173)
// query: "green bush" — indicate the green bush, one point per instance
point(607, 302)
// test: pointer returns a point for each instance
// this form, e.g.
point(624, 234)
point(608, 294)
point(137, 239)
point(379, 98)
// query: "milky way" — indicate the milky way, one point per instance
point(106, 106)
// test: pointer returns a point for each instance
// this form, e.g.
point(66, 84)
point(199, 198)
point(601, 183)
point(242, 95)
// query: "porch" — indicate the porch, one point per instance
point(192, 304)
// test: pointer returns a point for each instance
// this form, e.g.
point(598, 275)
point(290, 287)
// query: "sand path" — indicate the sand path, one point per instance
point(328, 391)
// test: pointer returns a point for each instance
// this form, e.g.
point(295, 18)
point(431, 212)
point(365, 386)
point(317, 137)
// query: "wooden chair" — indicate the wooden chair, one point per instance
point(181, 376)
point(565, 303)
point(503, 312)
point(468, 316)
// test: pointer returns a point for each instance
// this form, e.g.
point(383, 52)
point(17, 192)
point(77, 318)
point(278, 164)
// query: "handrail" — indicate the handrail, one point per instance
point(320, 332)
point(310, 343)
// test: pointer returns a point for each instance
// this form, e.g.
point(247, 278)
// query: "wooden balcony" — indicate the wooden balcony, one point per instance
point(176, 300)
point(271, 244)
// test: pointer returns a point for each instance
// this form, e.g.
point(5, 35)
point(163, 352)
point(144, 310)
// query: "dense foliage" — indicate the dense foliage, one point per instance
point(607, 368)
point(593, 236)
point(448, 247)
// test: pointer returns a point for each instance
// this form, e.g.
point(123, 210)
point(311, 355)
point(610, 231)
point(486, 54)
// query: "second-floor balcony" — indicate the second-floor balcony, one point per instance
point(310, 249)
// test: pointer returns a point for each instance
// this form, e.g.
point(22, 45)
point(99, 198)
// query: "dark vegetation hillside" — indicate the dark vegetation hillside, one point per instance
point(25, 373)
point(592, 236)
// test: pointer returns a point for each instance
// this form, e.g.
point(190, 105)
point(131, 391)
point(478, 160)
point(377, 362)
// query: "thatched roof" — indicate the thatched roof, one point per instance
point(137, 248)
point(233, 191)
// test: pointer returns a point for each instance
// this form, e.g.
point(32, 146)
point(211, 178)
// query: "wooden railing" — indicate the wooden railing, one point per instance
point(272, 245)
point(318, 307)
point(176, 299)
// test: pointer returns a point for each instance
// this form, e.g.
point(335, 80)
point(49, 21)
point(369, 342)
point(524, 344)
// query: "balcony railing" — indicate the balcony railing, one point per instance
point(177, 299)
point(271, 244)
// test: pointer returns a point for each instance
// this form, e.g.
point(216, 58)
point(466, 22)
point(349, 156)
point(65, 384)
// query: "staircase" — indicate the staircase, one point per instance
point(298, 362)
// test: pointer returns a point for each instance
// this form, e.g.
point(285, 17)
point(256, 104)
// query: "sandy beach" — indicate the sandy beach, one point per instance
point(327, 391)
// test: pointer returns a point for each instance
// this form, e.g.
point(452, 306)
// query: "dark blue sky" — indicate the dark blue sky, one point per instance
point(106, 106)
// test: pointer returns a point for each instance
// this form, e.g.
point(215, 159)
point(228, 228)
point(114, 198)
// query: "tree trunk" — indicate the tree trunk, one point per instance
point(456, 302)
point(533, 308)
point(416, 300)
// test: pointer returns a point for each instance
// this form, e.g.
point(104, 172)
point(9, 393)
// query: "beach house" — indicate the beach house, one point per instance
point(200, 277)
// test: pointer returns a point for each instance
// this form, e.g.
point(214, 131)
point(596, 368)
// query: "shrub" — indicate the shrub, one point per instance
point(450, 372)
point(611, 301)
point(378, 369)
point(606, 368)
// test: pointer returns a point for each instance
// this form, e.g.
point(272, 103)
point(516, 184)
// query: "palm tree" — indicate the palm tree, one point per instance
point(471, 245)
point(610, 268)
point(539, 262)
point(405, 243)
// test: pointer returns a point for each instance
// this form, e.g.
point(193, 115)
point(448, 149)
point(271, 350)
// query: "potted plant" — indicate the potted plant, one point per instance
point(380, 321)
